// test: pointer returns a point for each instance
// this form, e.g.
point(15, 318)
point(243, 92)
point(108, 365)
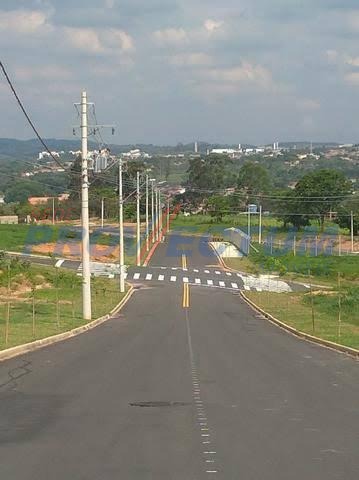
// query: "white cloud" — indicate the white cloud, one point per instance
point(23, 22)
point(46, 72)
point(105, 42)
point(353, 61)
point(332, 56)
point(307, 104)
point(109, 3)
point(171, 37)
point(212, 25)
point(191, 60)
point(246, 73)
point(352, 78)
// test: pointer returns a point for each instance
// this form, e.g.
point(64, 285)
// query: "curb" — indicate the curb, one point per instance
point(353, 352)
point(45, 342)
point(150, 253)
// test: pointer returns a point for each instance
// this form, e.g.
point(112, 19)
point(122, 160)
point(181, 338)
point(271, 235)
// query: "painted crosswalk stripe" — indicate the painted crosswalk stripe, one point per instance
point(206, 271)
point(222, 284)
point(59, 263)
point(149, 276)
point(217, 272)
point(209, 282)
point(173, 278)
point(234, 285)
point(196, 271)
point(161, 278)
point(136, 276)
point(198, 281)
point(228, 274)
point(185, 280)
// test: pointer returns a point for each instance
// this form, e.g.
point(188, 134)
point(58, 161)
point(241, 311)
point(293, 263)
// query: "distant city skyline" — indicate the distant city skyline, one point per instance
point(170, 71)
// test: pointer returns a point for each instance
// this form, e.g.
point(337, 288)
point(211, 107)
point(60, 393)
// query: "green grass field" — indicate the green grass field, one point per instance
point(57, 300)
point(295, 309)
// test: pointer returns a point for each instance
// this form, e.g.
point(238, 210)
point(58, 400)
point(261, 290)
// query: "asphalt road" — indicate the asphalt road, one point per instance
point(187, 383)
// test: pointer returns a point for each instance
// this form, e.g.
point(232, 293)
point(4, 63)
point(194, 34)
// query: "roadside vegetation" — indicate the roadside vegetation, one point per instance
point(37, 302)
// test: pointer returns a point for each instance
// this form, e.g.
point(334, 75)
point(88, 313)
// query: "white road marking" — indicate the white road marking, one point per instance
point(136, 276)
point(161, 278)
point(228, 274)
point(234, 285)
point(222, 284)
point(173, 278)
point(206, 271)
point(59, 263)
point(217, 272)
point(198, 281)
point(196, 271)
point(185, 279)
point(149, 276)
point(209, 282)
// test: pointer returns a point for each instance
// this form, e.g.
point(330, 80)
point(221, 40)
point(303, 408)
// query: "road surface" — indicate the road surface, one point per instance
point(188, 383)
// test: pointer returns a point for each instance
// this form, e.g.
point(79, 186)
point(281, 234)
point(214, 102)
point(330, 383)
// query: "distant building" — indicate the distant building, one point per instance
point(43, 200)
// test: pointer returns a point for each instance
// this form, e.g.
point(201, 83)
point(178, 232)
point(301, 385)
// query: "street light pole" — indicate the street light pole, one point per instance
point(138, 222)
point(156, 214)
point(153, 210)
point(102, 211)
point(53, 210)
point(147, 218)
point(260, 225)
point(352, 229)
point(122, 254)
point(168, 217)
point(86, 269)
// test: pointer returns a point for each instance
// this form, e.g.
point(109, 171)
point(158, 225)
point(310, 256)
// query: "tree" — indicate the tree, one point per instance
point(344, 213)
point(254, 179)
point(321, 191)
point(218, 206)
point(209, 173)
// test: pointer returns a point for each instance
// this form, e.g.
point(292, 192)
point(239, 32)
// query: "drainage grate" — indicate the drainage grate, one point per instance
point(159, 404)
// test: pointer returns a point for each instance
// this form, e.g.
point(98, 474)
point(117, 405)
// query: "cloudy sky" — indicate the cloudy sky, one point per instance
point(166, 71)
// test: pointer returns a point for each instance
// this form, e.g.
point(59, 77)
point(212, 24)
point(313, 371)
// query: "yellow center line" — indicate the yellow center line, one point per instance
point(184, 261)
point(186, 296)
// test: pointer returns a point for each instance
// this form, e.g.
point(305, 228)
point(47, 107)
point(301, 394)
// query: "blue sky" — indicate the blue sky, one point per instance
point(165, 71)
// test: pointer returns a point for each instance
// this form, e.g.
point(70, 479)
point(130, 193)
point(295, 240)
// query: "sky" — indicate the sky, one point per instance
point(168, 71)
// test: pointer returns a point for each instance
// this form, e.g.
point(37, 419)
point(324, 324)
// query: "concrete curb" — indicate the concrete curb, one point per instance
point(45, 342)
point(150, 253)
point(219, 258)
point(303, 336)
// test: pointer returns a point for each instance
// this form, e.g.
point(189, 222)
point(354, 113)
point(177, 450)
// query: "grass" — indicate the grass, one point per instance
point(295, 309)
point(58, 302)
point(323, 269)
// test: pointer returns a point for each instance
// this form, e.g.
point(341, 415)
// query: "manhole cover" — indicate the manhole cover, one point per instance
point(159, 404)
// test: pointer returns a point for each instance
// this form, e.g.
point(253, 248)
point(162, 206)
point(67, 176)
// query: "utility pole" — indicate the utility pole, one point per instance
point(53, 210)
point(352, 229)
point(159, 216)
point(86, 269)
point(102, 211)
point(249, 224)
point(260, 225)
point(153, 210)
point(168, 217)
point(122, 256)
point(147, 218)
point(156, 213)
point(138, 222)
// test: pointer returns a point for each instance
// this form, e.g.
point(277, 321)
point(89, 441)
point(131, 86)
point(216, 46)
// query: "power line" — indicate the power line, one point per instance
point(27, 116)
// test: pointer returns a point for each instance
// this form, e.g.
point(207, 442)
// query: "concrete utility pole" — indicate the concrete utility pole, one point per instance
point(138, 222)
point(168, 217)
point(147, 219)
point(156, 213)
point(260, 225)
point(53, 210)
point(249, 224)
point(102, 211)
point(352, 229)
point(153, 210)
point(86, 269)
point(159, 216)
point(122, 255)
